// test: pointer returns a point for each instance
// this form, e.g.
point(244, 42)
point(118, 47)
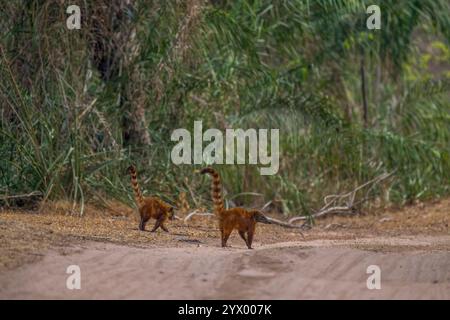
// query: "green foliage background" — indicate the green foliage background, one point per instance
point(289, 64)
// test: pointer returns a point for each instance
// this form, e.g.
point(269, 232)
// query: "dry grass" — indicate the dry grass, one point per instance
point(26, 235)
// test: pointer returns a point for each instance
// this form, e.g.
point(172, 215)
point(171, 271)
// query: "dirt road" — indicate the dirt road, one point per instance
point(411, 268)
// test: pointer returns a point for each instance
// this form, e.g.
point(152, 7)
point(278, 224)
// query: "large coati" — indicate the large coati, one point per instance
point(240, 219)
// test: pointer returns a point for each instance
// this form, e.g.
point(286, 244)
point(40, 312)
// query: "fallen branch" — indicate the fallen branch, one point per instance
point(19, 196)
point(344, 203)
point(197, 213)
point(266, 205)
point(285, 224)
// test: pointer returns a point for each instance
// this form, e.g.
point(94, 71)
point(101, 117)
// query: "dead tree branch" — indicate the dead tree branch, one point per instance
point(345, 203)
point(197, 213)
point(285, 225)
point(21, 196)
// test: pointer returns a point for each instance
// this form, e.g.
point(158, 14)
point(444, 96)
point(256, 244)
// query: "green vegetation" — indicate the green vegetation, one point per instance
point(77, 106)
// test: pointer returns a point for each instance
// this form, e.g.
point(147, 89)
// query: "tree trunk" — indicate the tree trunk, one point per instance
point(114, 50)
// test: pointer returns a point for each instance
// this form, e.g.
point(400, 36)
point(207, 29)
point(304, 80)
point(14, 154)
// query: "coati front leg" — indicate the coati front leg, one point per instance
point(222, 236)
point(242, 234)
point(250, 233)
point(225, 235)
point(164, 227)
point(157, 224)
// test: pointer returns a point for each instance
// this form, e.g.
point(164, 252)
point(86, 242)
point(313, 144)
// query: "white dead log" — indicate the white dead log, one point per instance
point(344, 203)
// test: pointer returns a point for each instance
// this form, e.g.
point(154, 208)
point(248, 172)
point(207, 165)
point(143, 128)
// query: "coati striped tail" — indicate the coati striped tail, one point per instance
point(135, 185)
point(216, 190)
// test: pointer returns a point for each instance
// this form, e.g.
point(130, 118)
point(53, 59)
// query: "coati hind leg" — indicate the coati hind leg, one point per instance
point(225, 235)
point(242, 234)
point(221, 232)
point(222, 237)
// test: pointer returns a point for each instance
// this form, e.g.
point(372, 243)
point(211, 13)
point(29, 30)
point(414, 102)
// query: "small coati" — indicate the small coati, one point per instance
point(150, 207)
point(235, 218)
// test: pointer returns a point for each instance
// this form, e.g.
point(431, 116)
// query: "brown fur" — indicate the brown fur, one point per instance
point(240, 219)
point(150, 207)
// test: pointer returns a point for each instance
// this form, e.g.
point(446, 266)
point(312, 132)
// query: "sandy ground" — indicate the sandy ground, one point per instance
point(411, 247)
point(318, 269)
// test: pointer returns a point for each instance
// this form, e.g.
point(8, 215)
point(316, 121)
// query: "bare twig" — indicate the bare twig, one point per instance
point(197, 213)
point(266, 205)
point(19, 196)
point(255, 194)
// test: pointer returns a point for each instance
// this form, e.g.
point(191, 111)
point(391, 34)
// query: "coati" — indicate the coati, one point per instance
point(150, 207)
point(235, 218)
